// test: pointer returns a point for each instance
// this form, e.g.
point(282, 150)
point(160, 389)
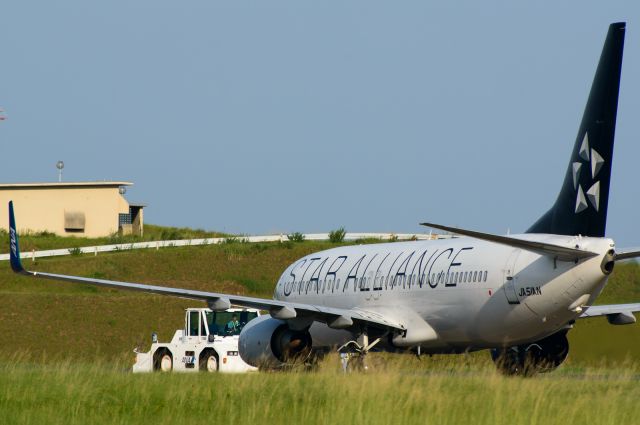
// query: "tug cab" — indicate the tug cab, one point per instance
point(208, 342)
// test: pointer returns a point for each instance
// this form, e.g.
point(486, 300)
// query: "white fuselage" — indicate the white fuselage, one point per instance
point(474, 294)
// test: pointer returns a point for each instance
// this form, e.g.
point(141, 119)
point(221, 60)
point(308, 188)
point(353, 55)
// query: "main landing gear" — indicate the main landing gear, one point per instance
point(537, 357)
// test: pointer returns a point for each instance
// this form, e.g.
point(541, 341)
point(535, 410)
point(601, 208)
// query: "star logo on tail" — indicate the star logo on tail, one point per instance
point(592, 195)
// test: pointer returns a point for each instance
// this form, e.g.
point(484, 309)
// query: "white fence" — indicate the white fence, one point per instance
point(193, 242)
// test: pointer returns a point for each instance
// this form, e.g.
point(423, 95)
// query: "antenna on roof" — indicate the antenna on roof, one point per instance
point(59, 166)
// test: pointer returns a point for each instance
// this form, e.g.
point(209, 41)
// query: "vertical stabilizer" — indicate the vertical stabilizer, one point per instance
point(581, 206)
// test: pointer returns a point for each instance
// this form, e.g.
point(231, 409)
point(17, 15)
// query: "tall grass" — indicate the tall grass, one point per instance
point(404, 392)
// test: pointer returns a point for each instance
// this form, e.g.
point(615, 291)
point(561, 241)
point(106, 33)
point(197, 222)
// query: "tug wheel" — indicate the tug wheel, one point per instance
point(166, 363)
point(209, 361)
point(163, 360)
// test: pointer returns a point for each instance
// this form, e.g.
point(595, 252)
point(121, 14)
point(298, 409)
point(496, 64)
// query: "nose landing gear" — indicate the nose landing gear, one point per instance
point(353, 354)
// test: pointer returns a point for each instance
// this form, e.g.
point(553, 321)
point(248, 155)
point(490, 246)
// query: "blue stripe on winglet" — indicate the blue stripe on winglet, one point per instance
point(14, 251)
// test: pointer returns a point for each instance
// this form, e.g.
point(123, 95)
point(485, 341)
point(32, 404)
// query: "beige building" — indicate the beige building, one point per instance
point(90, 209)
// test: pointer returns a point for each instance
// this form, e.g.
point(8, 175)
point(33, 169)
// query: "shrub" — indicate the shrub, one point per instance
point(337, 236)
point(75, 251)
point(171, 234)
point(296, 237)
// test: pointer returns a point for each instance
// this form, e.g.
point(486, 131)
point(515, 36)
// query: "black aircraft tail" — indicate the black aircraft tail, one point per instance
point(581, 206)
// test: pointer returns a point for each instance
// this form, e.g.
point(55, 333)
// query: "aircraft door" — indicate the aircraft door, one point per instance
point(377, 285)
point(365, 285)
point(509, 285)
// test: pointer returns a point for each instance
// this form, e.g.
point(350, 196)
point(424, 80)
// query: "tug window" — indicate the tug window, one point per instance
point(203, 329)
point(218, 322)
point(194, 323)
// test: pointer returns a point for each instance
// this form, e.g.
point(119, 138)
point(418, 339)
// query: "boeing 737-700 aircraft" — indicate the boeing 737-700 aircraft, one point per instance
point(515, 295)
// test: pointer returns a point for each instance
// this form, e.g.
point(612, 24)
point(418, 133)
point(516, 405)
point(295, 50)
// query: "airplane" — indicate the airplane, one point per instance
point(516, 295)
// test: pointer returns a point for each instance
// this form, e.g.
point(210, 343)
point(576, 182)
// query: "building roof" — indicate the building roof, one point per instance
point(63, 185)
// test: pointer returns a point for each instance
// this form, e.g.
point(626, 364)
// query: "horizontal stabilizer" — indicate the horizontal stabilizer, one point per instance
point(556, 251)
point(617, 314)
point(626, 254)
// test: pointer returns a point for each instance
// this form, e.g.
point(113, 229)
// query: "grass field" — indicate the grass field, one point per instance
point(67, 351)
point(409, 391)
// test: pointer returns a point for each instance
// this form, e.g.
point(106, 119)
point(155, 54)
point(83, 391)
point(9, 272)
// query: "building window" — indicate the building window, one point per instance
point(124, 219)
point(74, 221)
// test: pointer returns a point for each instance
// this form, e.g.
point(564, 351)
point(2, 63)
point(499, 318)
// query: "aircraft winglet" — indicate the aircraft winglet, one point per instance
point(14, 251)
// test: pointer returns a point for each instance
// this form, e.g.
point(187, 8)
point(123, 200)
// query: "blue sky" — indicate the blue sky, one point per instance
point(261, 117)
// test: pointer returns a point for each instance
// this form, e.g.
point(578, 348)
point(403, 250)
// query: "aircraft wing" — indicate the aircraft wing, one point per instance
point(334, 317)
point(337, 318)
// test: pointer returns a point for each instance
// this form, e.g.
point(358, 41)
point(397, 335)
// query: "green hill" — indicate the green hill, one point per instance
point(62, 320)
point(45, 240)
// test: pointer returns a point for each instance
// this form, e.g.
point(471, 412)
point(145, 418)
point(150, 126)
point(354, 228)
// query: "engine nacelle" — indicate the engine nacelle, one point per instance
point(269, 342)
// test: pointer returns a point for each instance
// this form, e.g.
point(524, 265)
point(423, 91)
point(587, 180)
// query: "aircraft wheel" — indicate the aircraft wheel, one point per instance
point(508, 361)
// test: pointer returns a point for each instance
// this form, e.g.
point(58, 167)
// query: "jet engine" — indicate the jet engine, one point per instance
point(269, 342)
point(536, 357)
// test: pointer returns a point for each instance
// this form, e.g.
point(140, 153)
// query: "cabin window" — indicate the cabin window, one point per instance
point(485, 275)
point(475, 275)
